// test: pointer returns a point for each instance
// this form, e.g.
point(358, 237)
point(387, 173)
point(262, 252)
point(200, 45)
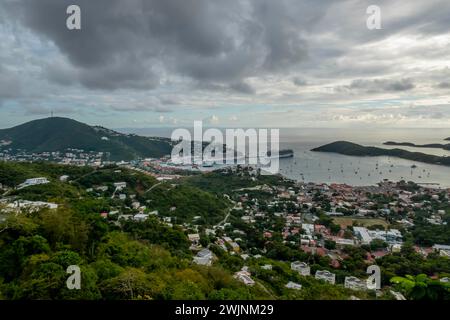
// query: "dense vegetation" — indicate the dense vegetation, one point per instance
point(226, 182)
point(130, 260)
point(148, 261)
point(421, 287)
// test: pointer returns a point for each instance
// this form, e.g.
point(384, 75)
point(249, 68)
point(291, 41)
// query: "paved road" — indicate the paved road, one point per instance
point(224, 220)
point(154, 186)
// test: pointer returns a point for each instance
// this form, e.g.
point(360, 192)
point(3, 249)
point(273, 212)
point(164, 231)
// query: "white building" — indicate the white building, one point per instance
point(234, 246)
point(293, 285)
point(194, 238)
point(31, 205)
point(227, 239)
point(345, 242)
point(33, 182)
point(301, 267)
point(392, 236)
point(326, 276)
point(204, 257)
point(363, 234)
point(308, 228)
point(354, 283)
point(140, 217)
point(396, 247)
point(120, 185)
point(245, 256)
point(135, 205)
point(244, 277)
point(444, 250)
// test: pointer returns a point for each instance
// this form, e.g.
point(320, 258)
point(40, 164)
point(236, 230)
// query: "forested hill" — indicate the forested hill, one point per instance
point(59, 134)
point(353, 149)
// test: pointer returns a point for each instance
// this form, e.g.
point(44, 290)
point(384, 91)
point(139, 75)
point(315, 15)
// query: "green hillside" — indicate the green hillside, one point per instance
point(59, 134)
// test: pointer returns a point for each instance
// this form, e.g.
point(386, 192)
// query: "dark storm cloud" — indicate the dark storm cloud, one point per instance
point(378, 86)
point(299, 81)
point(33, 109)
point(242, 87)
point(131, 44)
point(444, 85)
point(236, 87)
point(10, 85)
point(169, 101)
point(128, 44)
point(209, 53)
point(425, 17)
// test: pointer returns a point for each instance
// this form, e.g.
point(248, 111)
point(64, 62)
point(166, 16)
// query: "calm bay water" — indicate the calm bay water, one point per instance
point(319, 167)
point(329, 167)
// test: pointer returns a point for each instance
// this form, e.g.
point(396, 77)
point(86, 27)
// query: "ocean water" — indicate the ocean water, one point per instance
point(311, 166)
point(321, 167)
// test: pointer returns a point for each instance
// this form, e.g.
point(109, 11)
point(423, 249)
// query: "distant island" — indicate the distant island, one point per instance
point(409, 144)
point(353, 149)
point(285, 153)
point(448, 139)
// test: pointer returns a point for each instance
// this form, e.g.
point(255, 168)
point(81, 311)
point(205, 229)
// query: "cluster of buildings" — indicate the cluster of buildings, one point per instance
point(443, 250)
point(389, 208)
point(350, 282)
point(76, 157)
point(301, 208)
point(33, 182)
point(392, 236)
point(31, 206)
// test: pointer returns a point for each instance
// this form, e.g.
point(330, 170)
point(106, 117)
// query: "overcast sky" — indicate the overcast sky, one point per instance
point(237, 63)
